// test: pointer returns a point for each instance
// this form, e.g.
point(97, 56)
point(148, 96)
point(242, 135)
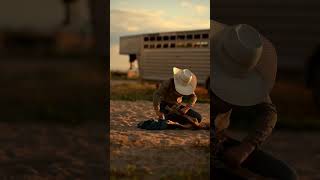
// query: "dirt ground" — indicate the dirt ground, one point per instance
point(154, 154)
point(137, 153)
point(52, 151)
point(58, 151)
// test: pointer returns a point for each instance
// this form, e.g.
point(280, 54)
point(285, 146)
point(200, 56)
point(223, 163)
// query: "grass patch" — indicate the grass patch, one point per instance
point(118, 75)
point(134, 90)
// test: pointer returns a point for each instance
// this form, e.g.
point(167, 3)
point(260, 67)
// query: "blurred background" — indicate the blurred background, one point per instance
point(53, 75)
point(291, 26)
point(48, 65)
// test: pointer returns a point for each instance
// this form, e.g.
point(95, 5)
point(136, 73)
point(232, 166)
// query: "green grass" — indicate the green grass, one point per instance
point(144, 91)
point(118, 75)
point(132, 92)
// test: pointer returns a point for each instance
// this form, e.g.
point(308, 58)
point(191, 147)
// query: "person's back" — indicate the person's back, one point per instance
point(243, 71)
point(171, 92)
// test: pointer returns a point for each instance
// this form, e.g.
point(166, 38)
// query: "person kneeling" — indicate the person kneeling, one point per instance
point(167, 99)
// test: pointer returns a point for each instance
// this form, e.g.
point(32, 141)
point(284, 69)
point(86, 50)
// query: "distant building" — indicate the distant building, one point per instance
point(158, 53)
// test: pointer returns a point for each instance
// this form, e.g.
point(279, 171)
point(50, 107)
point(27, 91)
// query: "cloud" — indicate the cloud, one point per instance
point(133, 20)
point(151, 21)
point(186, 4)
point(199, 9)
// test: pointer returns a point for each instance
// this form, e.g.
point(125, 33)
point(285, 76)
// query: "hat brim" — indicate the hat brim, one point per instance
point(182, 89)
point(250, 89)
point(239, 91)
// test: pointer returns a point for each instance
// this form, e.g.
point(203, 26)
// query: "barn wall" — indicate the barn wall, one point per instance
point(157, 65)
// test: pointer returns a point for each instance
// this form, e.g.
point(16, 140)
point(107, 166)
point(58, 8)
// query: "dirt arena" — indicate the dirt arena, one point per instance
point(154, 154)
point(137, 153)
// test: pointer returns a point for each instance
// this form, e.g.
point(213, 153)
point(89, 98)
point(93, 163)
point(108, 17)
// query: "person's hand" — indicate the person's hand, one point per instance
point(185, 109)
point(160, 114)
point(235, 156)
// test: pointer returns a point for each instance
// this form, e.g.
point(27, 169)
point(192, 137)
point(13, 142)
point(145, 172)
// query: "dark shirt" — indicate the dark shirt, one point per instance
point(167, 92)
point(265, 118)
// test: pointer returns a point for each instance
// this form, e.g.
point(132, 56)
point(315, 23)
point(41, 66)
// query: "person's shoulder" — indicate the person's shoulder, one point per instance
point(267, 99)
point(167, 83)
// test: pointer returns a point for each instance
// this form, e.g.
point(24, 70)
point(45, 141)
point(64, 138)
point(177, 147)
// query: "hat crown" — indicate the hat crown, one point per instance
point(184, 80)
point(232, 78)
point(185, 76)
point(244, 45)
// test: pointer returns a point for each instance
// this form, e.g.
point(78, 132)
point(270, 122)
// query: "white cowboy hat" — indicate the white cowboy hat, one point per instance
point(185, 81)
point(243, 64)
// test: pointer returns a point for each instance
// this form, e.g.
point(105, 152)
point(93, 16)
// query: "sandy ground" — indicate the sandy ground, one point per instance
point(156, 154)
point(52, 151)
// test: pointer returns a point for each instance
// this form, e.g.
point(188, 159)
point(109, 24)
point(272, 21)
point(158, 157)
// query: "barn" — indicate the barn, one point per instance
point(157, 53)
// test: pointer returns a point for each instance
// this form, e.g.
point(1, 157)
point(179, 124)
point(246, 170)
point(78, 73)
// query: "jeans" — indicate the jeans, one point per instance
point(259, 162)
point(178, 118)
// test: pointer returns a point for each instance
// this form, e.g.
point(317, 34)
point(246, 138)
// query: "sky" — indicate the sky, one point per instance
point(128, 17)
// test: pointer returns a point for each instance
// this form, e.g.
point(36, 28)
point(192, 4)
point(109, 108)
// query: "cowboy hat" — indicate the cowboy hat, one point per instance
point(243, 64)
point(185, 81)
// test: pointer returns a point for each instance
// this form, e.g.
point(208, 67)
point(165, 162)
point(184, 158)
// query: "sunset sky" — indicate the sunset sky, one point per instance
point(146, 16)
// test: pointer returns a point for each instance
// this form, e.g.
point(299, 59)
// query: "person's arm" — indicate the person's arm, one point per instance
point(193, 100)
point(266, 120)
point(158, 93)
